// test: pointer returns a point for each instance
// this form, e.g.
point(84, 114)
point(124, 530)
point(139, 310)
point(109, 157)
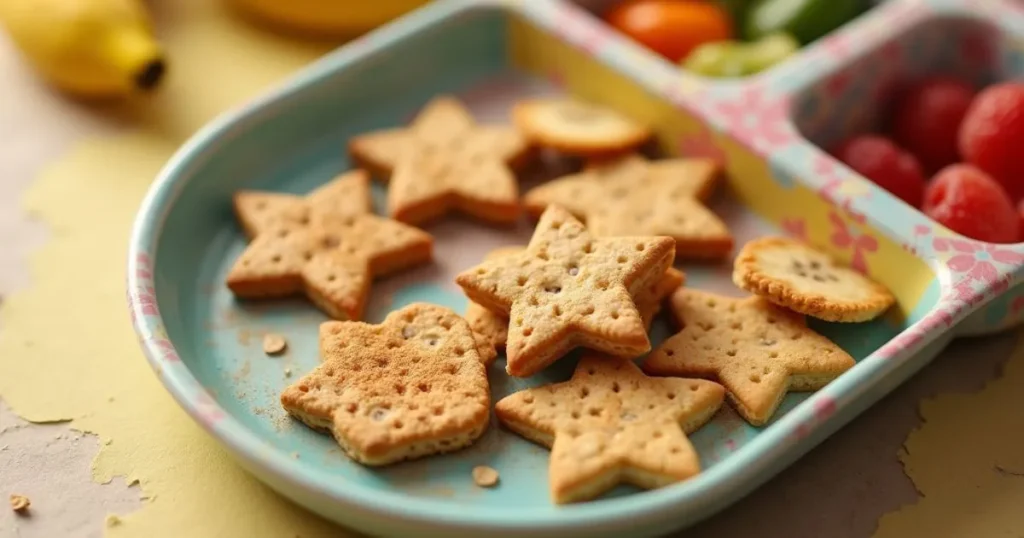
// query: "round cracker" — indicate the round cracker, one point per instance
point(578, 128)
point(796, 276)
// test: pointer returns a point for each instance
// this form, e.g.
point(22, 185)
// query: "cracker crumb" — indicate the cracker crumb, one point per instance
point(287, 372)
point(274, 344)
point(485, 476)
point(295, 455)
point(113, 521)
point(20, 503)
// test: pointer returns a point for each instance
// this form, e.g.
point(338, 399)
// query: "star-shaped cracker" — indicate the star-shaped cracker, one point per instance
point(445, 162)
point(634, 196)
point(407, 388)
point(314, 246)
point(610, 423)
point(569, 289)
point(757, 350)
point(345, 195)
point(794, 275)
point(492, 327)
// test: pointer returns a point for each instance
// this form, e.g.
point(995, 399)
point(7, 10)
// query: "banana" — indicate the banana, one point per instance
point(325, 18)
point(91, 48)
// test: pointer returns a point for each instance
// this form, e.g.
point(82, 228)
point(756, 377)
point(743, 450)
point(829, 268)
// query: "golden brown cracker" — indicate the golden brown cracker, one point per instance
point(346, 195)
point(799, 277)
point(493, 326)
point(610, 423)
point(577, 128)
point(409, 387)
point(330, 258)
point(633, 196)
point(445, 162)
point(569, 289)
point(756, 349)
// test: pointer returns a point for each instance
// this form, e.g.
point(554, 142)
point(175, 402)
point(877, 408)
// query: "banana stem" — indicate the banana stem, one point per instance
point(137, 54)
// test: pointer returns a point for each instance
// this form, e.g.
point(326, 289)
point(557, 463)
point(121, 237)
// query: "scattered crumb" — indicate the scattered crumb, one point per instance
point(110, 399)
point(133, 482)
point(20, 503)
point(5, 447)
point(485, 476)
point(274, 344)
point(295, 455)
point(287, 372)
point(108, 442)
point(113, 521)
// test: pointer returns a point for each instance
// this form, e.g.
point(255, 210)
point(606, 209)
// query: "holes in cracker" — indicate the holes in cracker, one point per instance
point(437, 410)
point(627, 416)
point(615, 314)
point(575, 415)
point(621, 259)
point(602, 284)
point(408, 332)
point(640, 247)
point(521, 280)
point(615, 387)
point(378, 414)
point(400, 389)
point(755, 378)
point(556, 225)
point(451, 369)
point(527, 331)
point(423, 387)
point(671, 396)
point(556, 311)
point(543, 255)
point(276, 258)
point(397, 424)
point(705, 325)
point(573, 270)
point(588, 310)
point(588, 248)
point(584, 392)
point(766, 341)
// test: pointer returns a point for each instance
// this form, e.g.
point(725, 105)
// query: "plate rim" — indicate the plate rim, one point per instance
point(757, 461)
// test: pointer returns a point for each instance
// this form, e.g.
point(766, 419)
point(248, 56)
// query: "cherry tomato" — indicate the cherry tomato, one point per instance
point(672, 28)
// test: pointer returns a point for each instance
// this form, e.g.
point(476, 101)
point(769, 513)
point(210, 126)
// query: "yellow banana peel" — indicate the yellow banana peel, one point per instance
point(91, 48)
point(325, 18)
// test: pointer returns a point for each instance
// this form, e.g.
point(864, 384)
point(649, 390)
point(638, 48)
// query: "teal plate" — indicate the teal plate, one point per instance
point(206, 347)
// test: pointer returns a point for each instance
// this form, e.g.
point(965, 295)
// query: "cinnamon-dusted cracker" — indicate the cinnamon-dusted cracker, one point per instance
point(757, 350)
point(493, 326)
point(407, 388)
point(610, 423)
point(445, 162)
point(568, 289)
point(346, 195)
point(331, 255)
point(578, 128)
point(794, 275)
point(633, 196)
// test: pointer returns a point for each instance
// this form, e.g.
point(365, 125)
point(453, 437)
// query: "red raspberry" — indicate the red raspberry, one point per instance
point(968, 201)
point(992, 135)
point(881, 161)
point(1020, 213)
point(927, 120)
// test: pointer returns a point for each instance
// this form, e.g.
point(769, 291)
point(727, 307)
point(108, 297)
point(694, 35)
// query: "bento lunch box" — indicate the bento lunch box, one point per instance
point(767, 130)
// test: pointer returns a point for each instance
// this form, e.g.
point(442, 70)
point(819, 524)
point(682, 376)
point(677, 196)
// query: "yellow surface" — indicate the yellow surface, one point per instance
point(94, 373)
point(967, 463)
